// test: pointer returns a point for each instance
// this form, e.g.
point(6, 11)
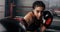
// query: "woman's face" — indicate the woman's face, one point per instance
point(38, 11)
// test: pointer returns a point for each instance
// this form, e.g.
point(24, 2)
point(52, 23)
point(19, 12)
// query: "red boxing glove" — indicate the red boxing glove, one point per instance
point(48, 18)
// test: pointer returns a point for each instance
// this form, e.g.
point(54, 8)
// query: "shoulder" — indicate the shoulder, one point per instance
point(28, 16)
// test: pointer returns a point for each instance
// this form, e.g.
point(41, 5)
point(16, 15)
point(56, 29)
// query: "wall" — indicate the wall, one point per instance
point(2, 8)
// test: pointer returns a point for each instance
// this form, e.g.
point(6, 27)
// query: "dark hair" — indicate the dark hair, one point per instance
point(38, 3)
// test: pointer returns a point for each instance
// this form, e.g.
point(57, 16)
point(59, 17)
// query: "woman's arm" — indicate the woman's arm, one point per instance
point(43, 28)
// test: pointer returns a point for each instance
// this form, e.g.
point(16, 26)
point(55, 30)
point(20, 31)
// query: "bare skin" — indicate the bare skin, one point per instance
point(37, 12)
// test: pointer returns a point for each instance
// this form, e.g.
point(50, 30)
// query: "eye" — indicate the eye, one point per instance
point(41, 11)
point(37, 11)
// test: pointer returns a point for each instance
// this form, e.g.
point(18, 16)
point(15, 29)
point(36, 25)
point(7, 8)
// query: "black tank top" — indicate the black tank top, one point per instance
point(35, 25)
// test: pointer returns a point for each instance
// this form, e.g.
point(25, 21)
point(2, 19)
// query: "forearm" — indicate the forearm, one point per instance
point(43, 28)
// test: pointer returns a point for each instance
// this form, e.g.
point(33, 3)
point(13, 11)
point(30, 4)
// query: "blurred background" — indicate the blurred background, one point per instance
point(22, 7)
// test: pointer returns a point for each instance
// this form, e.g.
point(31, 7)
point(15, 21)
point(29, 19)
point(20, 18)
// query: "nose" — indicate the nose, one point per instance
point(39, 14)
